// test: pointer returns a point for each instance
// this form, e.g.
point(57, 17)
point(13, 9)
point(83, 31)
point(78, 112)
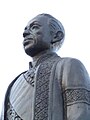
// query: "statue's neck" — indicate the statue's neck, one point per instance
point(41, 57)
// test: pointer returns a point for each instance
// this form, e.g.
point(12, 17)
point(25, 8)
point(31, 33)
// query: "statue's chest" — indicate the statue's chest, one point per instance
point(30, 96)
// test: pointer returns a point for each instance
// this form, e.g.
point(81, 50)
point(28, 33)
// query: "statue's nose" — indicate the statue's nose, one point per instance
point(26, 32)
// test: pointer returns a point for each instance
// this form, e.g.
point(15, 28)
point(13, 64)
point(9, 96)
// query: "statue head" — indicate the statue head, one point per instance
point(43, 32)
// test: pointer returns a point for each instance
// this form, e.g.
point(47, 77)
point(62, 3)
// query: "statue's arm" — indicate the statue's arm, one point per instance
point(76, 91)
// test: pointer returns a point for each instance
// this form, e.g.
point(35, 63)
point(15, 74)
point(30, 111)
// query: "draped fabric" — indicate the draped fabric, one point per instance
point(56, 89)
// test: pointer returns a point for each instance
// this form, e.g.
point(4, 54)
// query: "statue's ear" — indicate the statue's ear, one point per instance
point(58, 36)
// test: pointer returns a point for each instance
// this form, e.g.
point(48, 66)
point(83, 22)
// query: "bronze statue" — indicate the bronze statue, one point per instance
point(53, 88)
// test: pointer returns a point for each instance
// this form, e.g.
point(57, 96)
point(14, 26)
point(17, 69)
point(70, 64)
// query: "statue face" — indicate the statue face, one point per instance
point(37, 37)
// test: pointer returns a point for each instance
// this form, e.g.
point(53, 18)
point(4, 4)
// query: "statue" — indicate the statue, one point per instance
point(53, 88)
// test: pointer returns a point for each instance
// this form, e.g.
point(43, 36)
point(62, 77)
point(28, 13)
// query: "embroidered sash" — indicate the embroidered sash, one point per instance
point(42, 88)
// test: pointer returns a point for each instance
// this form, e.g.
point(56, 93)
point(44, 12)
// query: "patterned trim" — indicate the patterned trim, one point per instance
point(29, 76)
point(11, 114)
point(42, 89)
point(44, 57)
point(72, 96)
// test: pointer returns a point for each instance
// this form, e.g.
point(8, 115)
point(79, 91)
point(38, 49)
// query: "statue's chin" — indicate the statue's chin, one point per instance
point(34, 48)
point(30, 52)
point(28, 46)
point(34, 51)
point(31, 49)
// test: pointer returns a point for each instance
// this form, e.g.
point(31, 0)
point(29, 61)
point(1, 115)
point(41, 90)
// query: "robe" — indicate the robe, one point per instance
point(55, 89)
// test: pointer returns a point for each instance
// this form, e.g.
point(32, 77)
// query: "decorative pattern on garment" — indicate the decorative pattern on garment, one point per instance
point(42, 89)
point(29, 76)
point(72, 96)
point(11, 114)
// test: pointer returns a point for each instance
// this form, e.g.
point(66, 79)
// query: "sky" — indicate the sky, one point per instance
point(14, 16)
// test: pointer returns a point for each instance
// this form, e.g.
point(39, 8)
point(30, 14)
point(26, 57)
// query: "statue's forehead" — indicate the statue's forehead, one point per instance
point(38, 19)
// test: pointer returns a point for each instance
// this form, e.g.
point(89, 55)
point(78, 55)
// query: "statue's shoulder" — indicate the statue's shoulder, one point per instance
point(67, 62)
point(71, 62)
point(74, 73)
point(11, 84)
point(73, 65)
point(17, 78)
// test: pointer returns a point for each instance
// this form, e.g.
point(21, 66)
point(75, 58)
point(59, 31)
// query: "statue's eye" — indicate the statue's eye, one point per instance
point(35, 27)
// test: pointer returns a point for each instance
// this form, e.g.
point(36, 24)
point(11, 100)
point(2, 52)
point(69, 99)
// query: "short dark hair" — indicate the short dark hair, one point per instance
point(54, 23)
point(55, 26)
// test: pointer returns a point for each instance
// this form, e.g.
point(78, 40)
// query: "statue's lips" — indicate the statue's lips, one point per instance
point(27, 41)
